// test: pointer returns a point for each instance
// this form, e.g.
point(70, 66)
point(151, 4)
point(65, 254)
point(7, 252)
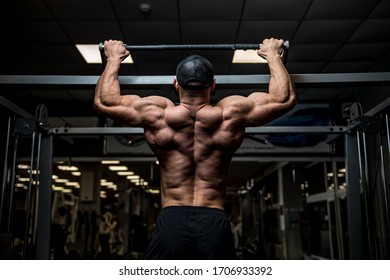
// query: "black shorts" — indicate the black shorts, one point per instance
point(191, 233)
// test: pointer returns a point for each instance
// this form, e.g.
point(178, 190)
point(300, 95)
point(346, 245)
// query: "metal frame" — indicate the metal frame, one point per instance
point(43, 162)
point(376, 78)
point(192, 47)
point(354, 200)
point(249, 130)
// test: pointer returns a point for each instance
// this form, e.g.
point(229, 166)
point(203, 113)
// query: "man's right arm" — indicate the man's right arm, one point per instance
point(130, 110)
point(260, 107)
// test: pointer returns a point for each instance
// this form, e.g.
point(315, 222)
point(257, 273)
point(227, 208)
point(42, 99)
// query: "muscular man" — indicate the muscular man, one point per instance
point(194, 143)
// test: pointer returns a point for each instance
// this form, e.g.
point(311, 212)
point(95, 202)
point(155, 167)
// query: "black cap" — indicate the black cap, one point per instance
point(195, 68)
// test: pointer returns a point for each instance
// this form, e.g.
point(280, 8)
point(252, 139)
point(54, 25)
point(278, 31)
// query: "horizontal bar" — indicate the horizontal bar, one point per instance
point(194, 47)
point(249, 130)
point(14, 109)
point(222, 80)
point(236, 158)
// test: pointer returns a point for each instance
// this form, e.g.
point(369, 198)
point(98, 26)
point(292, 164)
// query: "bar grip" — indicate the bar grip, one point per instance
point(194, 47)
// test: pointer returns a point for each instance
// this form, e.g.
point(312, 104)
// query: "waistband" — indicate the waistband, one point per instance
point(193, 209)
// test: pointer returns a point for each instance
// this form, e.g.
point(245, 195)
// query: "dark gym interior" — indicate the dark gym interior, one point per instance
point(313, 184)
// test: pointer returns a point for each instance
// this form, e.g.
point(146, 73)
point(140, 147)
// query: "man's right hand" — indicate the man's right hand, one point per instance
point(115, 50)
point(271, 47)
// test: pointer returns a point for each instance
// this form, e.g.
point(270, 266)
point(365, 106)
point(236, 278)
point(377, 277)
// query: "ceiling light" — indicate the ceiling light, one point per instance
point(125, 173)
point(91, 54)
point(117, 168)
point(107, 183)
point(248, 56)
point(110, 162)
point(67, 168)
point(133, 177)
point(154, 191)
point(23, 166)
point(61, 180)
point(24, 179)
point(73, 184)
point(76, 173)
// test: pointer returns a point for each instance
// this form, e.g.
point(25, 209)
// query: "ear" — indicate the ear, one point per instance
point(212, 88)
point(176, 86)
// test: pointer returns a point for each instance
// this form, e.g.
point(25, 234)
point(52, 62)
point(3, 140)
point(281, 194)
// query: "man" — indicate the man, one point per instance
point(194, 143)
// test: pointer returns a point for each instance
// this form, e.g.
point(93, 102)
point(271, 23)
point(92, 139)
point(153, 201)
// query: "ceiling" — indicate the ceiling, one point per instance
point(326, 36)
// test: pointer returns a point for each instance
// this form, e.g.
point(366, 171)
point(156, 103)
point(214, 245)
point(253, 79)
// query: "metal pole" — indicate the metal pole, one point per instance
point(339, 225)
point(352, 160)
point(5, 169)
point(388, 134)
point(44, 201)
point(363, 190)
point(29, 195)
point(223, 81)
point(34, 213)
point(257, 46)
point(11, 197)
point(252, 130)
point(385, 183)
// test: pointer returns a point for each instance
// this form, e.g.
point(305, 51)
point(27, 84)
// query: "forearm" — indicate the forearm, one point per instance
point(107, 92)
point(281, 88)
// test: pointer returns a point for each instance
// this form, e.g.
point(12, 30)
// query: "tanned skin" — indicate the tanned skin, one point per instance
point(194, 141)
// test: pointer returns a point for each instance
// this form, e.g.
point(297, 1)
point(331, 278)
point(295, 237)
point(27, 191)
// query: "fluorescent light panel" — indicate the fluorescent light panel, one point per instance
point(248, 56)
point(110, 161)
point(125, 173)
point(91, 54)
point(67, 168)
point(117, 168)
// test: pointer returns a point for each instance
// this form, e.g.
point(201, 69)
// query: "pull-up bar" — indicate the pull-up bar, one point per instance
point(195, 47)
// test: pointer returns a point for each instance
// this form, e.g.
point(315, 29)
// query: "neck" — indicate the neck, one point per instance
point(195, 99)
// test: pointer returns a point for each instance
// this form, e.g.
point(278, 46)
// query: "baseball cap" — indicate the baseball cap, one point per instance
point(195, 68)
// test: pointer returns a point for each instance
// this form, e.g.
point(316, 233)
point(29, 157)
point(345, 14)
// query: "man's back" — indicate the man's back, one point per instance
point(194, 146)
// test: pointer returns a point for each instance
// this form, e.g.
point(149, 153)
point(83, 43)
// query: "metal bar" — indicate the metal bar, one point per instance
point(35, 198)
point(5, 168)
point(222, 80)
point(385, 182)
point(257, 46)
point(363, 190)
point(251, 130)
point(13, 108)
point(353, 197)
point(11, 196)
point(236, 158)
point(339, 225)
point(26, 243)
point(44, 201)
